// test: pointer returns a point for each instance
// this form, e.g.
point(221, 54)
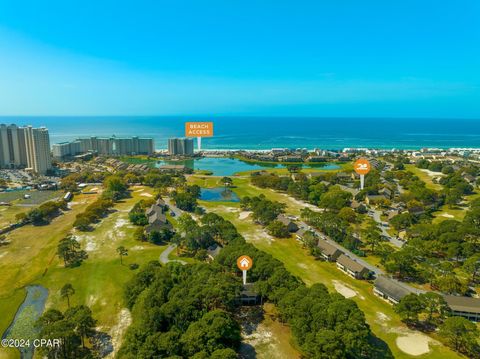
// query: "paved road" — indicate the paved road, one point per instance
point(172, 208)
point(358, 259)
point(371, 267)
point(164, 256)
point(377, 218)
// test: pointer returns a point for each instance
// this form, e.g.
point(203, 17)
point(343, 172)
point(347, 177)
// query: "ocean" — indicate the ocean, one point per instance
point(261, 133)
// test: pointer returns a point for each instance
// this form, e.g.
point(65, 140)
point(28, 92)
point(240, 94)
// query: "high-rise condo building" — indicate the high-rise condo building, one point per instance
point(25, 147)
point(180, 146)
point(37, 142)
point(112, 146)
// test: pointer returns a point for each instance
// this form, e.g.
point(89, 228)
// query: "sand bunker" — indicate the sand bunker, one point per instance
point(414, 344)
point(3, 254)
point(244, 214)
point(447, 215)
point(146, 195)
point(341, 288)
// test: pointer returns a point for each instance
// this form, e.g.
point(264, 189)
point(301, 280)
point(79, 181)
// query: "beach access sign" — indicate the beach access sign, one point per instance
point(199, 129)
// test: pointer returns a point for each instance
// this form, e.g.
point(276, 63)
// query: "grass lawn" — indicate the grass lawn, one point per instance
point(424, 177)
point(458, 212)
point(29, 256)
point(384, 322)
point(98, 282)
point(8, 213)
point(242, 187)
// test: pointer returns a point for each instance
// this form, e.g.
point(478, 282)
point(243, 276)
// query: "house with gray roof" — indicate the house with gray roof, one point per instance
point(328, 251)
point(466, 307)
point(351, 267)
point(390, 289)
point(292, 226)
point(156, 219)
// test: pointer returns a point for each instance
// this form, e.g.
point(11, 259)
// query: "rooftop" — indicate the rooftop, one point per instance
point(350, 263)
point(391, 287)
point(463, 304)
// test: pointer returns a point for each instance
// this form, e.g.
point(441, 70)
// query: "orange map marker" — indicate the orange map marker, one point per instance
point(362, 167)
point(244, 263)
point(199, 130)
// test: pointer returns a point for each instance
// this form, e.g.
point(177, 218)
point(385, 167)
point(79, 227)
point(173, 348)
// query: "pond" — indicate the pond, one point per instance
point(219, 194)
point(222, 166)
point(23, 325)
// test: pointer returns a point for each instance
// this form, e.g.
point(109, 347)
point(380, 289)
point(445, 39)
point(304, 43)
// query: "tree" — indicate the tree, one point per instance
point(434, 303)
point(460, 334)
point(409, 307)
point(472, 266)
point(66, 292)
point(83, 321)
point(69, 250)
point(278, 229)
point(227, 182)
point(372, 235)
point(122, 251)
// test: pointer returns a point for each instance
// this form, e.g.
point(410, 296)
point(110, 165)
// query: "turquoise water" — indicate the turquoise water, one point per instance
point(220, 166)
point(219, 194)
point(268, 132)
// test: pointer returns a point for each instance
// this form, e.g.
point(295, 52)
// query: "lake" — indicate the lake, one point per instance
point(222, 166)
point(218, 194)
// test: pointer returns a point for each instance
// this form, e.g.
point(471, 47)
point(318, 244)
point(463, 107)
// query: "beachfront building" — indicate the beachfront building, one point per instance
point(66, 150)
point(111, 146)
point(351, 267)
point(180, 146)
point(25, 147)
point(37, 141)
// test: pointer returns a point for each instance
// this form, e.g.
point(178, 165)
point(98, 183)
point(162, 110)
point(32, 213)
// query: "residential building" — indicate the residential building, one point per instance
point(13, 153)
point(115, 146)
point(351, 267)
point(157, 220)
point(328, 251)
point(180, 146)
point(390, 289)
point(37, 141)
point(66, 150)
point(291, 225)
point(466, 307)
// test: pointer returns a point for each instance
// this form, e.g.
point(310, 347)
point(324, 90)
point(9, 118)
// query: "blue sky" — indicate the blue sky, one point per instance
point(393, 58)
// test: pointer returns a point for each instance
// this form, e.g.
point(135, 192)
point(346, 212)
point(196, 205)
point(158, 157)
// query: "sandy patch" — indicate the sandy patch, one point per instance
point(92, 299)
point(146, 194)
point(382, 318)
point(447, 215)
point(432, 173)
point(94, 189)
point(120, 223)
point(301, 203)
point(302, 265)
point(341, 288)
point(118, 330)
point(88, 241)
point(137, 248)
point(244, 214)
point(139, 190)
point(3, 254)
point(414, 344)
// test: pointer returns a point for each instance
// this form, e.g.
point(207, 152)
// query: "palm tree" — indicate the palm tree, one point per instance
point(122, 251)
point(67, 291)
